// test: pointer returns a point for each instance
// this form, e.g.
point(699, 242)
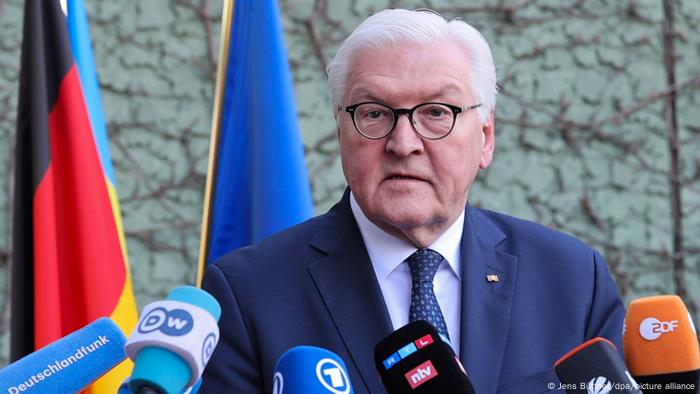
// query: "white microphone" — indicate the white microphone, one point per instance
point(173, 341)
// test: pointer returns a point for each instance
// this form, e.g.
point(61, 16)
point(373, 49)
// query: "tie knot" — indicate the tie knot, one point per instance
point(424, 264)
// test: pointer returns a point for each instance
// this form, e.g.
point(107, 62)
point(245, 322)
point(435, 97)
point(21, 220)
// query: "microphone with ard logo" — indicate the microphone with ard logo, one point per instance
point(661, 345)
point(595, 367)
point(310, 370)
point(414, 359)
point(69, 364)
point(173, 341)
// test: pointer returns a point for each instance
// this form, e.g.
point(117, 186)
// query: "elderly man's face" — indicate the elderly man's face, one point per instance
point(409, 186)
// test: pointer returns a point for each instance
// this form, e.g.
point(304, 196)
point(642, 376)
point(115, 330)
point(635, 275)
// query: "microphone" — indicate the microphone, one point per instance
point(124, 387)
point(173, 341)
point(414, 359)
point(595, 367)
point(69, 364)
point(661, 345)
point(310, 370)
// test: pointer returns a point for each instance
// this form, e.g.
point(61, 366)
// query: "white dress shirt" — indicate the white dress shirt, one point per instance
point(388, 253)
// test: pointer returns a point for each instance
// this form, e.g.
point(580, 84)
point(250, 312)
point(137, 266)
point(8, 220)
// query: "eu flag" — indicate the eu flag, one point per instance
point(257, 183)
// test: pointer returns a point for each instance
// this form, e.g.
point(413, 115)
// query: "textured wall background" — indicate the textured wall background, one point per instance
point(598, 131)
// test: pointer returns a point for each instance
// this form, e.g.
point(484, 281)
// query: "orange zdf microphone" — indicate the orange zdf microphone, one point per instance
point(661, 345)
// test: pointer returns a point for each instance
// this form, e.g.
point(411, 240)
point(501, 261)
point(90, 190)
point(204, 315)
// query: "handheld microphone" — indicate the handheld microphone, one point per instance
point(69, 364)
point(595, 367)
point(414, 359)
point(310, 370)
point(661, 346)
point(124, 387)
point(173, 341)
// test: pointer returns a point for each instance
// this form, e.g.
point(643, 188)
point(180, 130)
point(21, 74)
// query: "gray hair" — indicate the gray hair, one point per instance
point(390, 27)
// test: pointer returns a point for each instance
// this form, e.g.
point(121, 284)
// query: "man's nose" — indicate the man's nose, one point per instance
point(404, 140)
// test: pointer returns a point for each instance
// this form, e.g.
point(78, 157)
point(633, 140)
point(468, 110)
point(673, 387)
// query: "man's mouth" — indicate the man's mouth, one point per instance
point(402, 177)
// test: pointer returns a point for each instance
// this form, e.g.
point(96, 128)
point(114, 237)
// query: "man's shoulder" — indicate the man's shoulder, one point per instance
point(288, 247)
point(522, 234)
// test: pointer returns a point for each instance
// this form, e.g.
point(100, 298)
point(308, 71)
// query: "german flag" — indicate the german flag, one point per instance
point(69, 261)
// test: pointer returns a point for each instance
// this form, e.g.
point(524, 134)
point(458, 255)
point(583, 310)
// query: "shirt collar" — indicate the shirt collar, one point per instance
point(387, 252)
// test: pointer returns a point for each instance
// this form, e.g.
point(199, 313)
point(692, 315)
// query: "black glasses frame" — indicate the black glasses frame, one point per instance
point(396, 112)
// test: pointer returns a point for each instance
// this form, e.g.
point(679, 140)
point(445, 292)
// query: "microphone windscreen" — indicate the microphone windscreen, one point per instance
point(124, 387)
point(659, 337)
point(69, 364)
point(414, 359)
point(661, 346)
point(595, 367)
point(310, 370)
point(174, 340)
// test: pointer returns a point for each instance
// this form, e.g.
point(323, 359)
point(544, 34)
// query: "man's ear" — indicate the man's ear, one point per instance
point(337, 122)
point(488, 142)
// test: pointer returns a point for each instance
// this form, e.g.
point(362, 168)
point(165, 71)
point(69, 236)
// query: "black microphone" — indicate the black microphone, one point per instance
point(414, 359)
point(595, 367)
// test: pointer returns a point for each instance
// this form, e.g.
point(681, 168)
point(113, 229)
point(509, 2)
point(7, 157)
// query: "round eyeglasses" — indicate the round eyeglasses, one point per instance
point(431, 121)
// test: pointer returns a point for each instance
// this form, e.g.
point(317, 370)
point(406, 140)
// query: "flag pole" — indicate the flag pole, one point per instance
point(226, 22)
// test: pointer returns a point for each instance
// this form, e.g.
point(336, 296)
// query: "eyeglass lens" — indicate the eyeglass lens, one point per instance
point(431, 120)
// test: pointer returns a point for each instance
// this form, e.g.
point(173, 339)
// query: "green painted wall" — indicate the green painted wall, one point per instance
point(582, 124)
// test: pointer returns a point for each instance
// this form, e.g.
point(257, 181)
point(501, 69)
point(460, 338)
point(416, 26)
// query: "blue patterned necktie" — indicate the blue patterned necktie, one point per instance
point(424, 306)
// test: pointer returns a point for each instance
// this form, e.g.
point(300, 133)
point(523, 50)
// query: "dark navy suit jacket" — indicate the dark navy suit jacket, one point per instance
point(314, 285)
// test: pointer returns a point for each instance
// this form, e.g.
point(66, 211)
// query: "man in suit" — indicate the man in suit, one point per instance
point(414, 98)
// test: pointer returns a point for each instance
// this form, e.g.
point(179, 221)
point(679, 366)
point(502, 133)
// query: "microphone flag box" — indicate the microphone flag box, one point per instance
point(661, 345)
point(310, 370)
point(69, 364)
point(414, 359)
point(595, 367)
point(174, 340)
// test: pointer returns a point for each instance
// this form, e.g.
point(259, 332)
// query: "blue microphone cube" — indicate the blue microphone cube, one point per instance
point(310, 370)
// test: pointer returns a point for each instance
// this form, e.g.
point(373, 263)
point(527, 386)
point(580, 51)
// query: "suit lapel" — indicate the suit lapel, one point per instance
point(348, 286)
point(486, 302)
